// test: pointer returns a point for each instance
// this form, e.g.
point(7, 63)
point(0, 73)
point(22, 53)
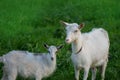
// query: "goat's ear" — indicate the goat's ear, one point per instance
point(59, 47)
point(46, 46)
point(81, 25)
point(64, 23)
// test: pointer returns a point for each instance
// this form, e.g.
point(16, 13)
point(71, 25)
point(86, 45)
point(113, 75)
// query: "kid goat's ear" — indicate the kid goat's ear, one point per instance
point(46, 46)
point(81, 25)
point(59, 47)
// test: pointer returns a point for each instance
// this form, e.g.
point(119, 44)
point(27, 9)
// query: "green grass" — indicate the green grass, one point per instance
point(27, 24)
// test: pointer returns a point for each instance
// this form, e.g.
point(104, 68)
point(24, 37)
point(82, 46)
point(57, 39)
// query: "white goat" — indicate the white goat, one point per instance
point(89, 50)
point(28, 64)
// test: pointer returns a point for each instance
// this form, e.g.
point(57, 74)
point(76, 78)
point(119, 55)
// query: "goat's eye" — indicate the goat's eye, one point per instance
point(75, 31)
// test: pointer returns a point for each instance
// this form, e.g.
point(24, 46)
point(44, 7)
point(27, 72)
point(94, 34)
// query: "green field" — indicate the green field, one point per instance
point(27, 24)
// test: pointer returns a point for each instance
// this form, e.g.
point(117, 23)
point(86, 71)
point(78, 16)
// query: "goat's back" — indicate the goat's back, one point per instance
point(96, 46)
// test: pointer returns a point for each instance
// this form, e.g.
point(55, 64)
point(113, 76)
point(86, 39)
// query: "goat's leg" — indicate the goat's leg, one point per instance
point(93, 73)
point(103, 68)
point(86, 71)
point(77, 71)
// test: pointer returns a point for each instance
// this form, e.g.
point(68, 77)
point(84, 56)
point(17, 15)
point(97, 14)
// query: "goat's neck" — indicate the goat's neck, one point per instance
point(77, 44)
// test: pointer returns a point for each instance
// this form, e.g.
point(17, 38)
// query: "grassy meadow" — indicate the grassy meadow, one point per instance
point(27, 24)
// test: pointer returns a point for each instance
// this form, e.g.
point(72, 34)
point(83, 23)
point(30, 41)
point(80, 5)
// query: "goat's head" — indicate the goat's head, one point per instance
point(72, 31)
point(52, 50)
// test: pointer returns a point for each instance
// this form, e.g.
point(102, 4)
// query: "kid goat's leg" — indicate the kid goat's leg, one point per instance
point(12, 74)
point(38, 77)
point(4, 77)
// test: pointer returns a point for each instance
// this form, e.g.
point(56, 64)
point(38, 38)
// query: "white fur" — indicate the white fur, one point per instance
point(95, 49)
point(28, 64)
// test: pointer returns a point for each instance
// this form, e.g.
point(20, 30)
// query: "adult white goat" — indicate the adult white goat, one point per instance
point(89, 50)
point(28, 64)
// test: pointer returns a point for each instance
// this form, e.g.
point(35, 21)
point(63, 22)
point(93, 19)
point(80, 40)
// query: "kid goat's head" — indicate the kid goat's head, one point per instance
point(72, 31)
point(52, 50)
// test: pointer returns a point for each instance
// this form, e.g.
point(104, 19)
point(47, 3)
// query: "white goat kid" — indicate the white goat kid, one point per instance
point(89, 50)
point(28, 64)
